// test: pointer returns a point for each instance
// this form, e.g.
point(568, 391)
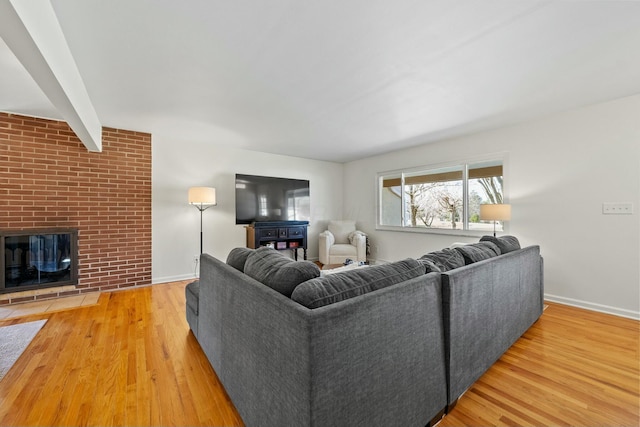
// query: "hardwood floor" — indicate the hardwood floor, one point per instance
point(573, 367)
point(131, 360)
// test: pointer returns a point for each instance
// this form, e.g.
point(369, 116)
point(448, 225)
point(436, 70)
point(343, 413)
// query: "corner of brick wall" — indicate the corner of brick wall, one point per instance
point(49, 179)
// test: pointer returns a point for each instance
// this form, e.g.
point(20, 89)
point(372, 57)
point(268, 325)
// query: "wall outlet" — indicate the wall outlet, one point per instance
point(196, 259)
point(617, 208)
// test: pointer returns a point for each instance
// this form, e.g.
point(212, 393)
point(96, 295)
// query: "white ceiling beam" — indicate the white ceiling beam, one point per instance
point(32, 32)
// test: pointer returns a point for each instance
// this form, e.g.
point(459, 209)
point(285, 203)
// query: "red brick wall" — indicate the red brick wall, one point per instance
point(49, 179)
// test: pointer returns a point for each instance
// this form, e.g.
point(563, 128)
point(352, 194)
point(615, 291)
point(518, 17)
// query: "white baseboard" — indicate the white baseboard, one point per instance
point(594, 307)
point(156, 280)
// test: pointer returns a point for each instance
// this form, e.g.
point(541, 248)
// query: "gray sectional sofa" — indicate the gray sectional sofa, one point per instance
point(385, 345)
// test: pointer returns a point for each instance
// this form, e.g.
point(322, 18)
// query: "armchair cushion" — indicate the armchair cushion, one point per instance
point(344, 249)
point(341, 230)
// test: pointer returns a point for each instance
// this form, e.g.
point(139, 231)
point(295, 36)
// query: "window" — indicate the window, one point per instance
point(440, 198)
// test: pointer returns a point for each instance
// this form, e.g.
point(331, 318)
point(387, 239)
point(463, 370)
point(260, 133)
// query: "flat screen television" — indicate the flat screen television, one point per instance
point(271, 199)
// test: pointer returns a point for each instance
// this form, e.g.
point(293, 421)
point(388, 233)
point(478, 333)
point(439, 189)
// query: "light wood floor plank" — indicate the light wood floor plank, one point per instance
point(573, 367)
point(131, 360)
point(128, 360)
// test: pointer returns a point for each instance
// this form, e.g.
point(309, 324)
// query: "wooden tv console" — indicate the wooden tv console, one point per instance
point(281, 235)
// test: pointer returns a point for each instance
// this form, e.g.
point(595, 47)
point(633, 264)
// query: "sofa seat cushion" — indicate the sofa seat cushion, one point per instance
point(343, 249)
point(192, 295)
point(337, 287)
point(445, 259)
point(270, 267)
point(478, 251)
point(238, 257)
point(505, 243)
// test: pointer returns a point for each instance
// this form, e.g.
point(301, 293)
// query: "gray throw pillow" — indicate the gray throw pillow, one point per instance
point(349, 284)
point(280, 273)
point(238, 257)
point(505, 243)
point(446, 259)
point(478, 252)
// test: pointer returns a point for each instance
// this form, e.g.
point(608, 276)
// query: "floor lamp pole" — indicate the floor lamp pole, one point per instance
point(202, 198)
point(201, 210)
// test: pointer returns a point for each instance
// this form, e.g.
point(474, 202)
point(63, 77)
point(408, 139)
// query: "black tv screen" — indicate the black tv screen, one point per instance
point(266, 199)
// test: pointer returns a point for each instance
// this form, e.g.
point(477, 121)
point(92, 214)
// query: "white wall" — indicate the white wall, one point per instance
point(560, 170)
point(176, 224)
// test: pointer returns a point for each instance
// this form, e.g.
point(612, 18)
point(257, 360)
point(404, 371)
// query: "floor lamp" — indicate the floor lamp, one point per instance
point(495, 212)
point(202, 198)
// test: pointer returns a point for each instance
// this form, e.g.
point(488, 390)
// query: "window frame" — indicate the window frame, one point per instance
point(426, 169)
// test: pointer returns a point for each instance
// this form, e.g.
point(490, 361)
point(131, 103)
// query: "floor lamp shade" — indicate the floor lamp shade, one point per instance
point(205, 196)
point(495, 212)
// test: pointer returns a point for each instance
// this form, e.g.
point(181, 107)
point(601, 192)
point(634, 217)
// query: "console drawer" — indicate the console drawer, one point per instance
point(295, 232)
point(268, 233)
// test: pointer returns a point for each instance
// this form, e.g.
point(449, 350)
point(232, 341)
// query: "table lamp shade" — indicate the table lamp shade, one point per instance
point(495, 212)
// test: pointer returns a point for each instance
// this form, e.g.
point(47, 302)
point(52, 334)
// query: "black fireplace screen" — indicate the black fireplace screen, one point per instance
point(38, 258)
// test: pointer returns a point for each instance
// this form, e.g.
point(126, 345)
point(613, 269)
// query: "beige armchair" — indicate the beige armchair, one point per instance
point(342, 241)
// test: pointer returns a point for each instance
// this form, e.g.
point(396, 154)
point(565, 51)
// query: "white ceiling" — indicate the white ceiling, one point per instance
point(332, 79)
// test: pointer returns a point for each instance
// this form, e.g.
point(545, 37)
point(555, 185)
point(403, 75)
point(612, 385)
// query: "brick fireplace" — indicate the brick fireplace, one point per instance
point(49, 180)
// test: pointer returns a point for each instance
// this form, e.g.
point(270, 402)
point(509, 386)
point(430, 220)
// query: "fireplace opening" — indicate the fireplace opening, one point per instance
point(33, 259)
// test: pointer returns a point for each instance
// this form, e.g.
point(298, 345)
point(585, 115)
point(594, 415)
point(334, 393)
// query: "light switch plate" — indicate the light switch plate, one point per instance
point(617, 208)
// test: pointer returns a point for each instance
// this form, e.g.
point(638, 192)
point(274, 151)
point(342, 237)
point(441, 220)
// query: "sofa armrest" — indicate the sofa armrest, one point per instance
point(360, 242)
point(376, 360)
point(257, 341)
point(487, 306)
point(325, 241)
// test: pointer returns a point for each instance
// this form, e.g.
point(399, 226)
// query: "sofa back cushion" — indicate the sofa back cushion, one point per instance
point(337, 287)
point(270, 267)
point(445, 260)
point(238, 257)
point(429, 265)
point(505, 243)
point(478, 251)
